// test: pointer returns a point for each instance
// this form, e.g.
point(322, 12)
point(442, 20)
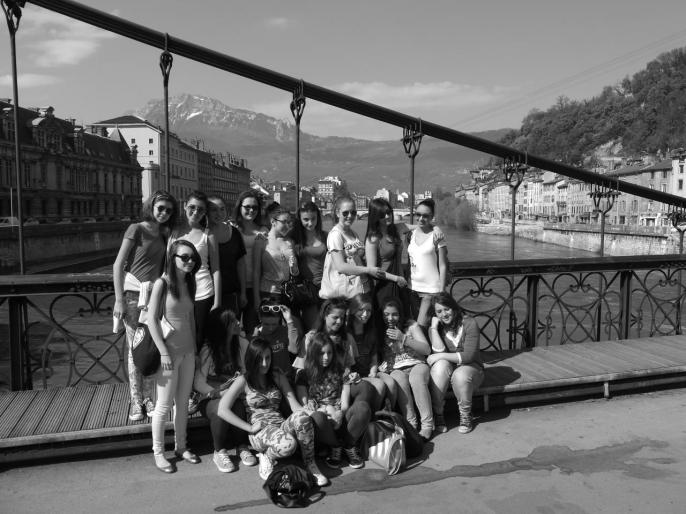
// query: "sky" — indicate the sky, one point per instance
point(469, 65)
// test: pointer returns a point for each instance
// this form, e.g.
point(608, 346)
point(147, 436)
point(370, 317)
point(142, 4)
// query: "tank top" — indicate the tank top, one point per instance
point(263, 406)
point(275, 270)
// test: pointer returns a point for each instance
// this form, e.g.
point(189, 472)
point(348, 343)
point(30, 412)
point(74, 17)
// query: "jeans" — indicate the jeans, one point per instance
point(420, 307)
point(357, 417)
point(413, 387)
point(465, 379)
point(140, 387)
point(175, 386)
point(201, 310)
point(224, 434)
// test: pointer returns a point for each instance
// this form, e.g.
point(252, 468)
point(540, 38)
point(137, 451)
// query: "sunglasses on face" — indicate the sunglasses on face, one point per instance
point(424, 216)
point(270, 308)
point(193, 208)
point(185, 258)
point(345, 214)
point(166, 210)
point(249, 207)
point(282, 220)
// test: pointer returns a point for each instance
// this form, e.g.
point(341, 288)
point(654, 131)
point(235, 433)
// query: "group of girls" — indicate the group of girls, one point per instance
point(322, 366)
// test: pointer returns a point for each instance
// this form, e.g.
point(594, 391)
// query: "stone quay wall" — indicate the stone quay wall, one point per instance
point(616, 244)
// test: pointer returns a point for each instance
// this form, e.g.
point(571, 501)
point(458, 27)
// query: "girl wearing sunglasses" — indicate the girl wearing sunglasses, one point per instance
point(208, 293)
point(345, 273)
point(139, 263)
point(173, 294)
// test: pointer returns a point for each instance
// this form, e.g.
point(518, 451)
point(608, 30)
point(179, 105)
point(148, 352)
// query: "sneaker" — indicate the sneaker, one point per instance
point(149, 407)
point(318, 475)
point(426, 433)
point(466, 424)
point(136, 411)
point(441, 427)
point(223, 462)
point(266, 466)
point(354, 457)
point(335, 458)
point(246, 456)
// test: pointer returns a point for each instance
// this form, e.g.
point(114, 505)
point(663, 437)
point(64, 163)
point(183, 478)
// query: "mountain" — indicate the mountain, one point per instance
point(642, 114)
point(268, 144)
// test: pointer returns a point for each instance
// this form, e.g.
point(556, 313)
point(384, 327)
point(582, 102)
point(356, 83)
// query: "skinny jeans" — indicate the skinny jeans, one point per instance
point(413, 387)
point(224, 435)
point(173, 387)
point(356, 419)
point(465, 379)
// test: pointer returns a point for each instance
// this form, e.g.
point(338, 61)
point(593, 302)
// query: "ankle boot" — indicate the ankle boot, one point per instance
point(465, 418)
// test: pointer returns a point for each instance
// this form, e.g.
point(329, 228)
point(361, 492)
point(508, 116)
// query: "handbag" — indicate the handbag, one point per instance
point(414, 444)
point(289, 486)
point(299, 291)
point(384, 444)
point(146, 356)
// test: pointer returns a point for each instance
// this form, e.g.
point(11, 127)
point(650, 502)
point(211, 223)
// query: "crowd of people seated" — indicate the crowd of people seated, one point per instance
point(275, 372)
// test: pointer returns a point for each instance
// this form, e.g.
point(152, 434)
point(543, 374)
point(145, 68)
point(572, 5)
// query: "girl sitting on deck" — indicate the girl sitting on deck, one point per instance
point(456, 360)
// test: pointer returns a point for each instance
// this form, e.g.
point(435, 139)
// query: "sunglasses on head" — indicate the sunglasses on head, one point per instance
point(345, 214)
point(162, 208)
point(270, 308)
point(185, 257)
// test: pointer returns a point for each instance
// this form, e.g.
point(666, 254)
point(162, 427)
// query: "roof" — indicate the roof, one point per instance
point(127, 120)
point(664, 164)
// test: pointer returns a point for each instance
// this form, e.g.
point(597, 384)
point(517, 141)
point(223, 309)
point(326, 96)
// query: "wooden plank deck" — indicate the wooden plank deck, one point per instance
point(44, 417)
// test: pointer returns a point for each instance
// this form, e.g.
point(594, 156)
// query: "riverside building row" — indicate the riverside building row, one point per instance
point(550, 197)
point(101, 172)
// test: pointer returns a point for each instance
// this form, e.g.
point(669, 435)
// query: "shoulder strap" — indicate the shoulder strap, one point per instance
point(162, 307)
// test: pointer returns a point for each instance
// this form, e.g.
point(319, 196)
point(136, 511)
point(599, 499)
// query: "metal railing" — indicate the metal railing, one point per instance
point(69, 341)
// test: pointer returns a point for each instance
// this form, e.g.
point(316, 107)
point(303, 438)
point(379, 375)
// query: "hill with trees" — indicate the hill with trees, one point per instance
point(643, 114)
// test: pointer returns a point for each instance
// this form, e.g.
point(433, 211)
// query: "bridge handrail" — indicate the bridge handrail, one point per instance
point(251, 71)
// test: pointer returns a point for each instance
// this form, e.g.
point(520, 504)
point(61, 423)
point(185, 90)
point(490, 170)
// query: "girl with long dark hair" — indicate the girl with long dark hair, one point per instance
point(248, 218)
point(269, 433)
point(208, 293)
point(139, 263)
point(172, 295)
point(456, 360)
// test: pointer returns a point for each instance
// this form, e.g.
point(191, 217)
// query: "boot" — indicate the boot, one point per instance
point(465, 418)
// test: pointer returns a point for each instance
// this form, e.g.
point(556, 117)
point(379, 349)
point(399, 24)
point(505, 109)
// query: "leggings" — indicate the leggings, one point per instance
point(202, 310)
point(357, 417)
point(280, 441)
point(224, 434)
point(175, 386)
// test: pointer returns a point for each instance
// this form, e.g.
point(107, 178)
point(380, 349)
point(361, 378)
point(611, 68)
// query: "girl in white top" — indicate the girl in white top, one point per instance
point(208, 292)
point(428, 254)
point(346, 255)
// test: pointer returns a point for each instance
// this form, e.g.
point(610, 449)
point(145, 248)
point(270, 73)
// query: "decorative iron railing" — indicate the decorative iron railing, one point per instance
point(69, 341)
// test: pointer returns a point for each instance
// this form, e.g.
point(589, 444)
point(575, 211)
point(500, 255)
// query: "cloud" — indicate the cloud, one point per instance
point(278, 23)
point(60, 40)
point(440, 102)
point(27, 80)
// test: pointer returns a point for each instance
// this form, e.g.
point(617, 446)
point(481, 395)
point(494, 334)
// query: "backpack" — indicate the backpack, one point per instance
point(289, 486)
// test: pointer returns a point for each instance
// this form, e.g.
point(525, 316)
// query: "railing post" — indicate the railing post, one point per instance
point(297, 109)
point(678, 219)
point(412, 140)
point(532, 311)
point(12, 10)
point(19, 379)
point(625, 303)
point(166, 61)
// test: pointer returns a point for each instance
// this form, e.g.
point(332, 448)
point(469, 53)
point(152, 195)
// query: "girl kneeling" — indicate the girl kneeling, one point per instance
point(269, 433)
point(404, 358)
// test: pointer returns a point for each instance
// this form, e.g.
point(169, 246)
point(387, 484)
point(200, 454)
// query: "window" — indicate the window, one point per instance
point(664, 174)
point(681, 168)
point(681, 184)
point(663, 188)
point(150, 140)
point(652, 174)
point(133, 140)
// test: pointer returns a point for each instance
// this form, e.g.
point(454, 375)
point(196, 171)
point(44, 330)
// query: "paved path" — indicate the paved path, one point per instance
point(624, 455)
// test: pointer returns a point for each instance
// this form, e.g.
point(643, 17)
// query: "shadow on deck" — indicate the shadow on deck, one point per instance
point(81, 420)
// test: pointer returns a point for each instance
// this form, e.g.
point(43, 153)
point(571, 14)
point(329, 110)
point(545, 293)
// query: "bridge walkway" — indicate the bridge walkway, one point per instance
point(70, 420)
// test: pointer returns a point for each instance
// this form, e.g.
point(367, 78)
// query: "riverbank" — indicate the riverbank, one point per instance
point(588, 239)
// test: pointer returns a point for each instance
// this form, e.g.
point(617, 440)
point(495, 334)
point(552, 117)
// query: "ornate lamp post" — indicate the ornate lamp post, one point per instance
point(513, 170)
point(603, 199)
point(297, 109)
point(412, 140)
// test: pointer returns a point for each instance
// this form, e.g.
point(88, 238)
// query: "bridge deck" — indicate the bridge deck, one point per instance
point(53, 416)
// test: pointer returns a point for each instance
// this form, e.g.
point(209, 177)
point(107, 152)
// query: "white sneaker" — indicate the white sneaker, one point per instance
point(223, 461)
point(318, 475)
point(266, 466)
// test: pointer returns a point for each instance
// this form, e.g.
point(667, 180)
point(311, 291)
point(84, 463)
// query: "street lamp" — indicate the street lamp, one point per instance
point(514, 174)
point(603, 199)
